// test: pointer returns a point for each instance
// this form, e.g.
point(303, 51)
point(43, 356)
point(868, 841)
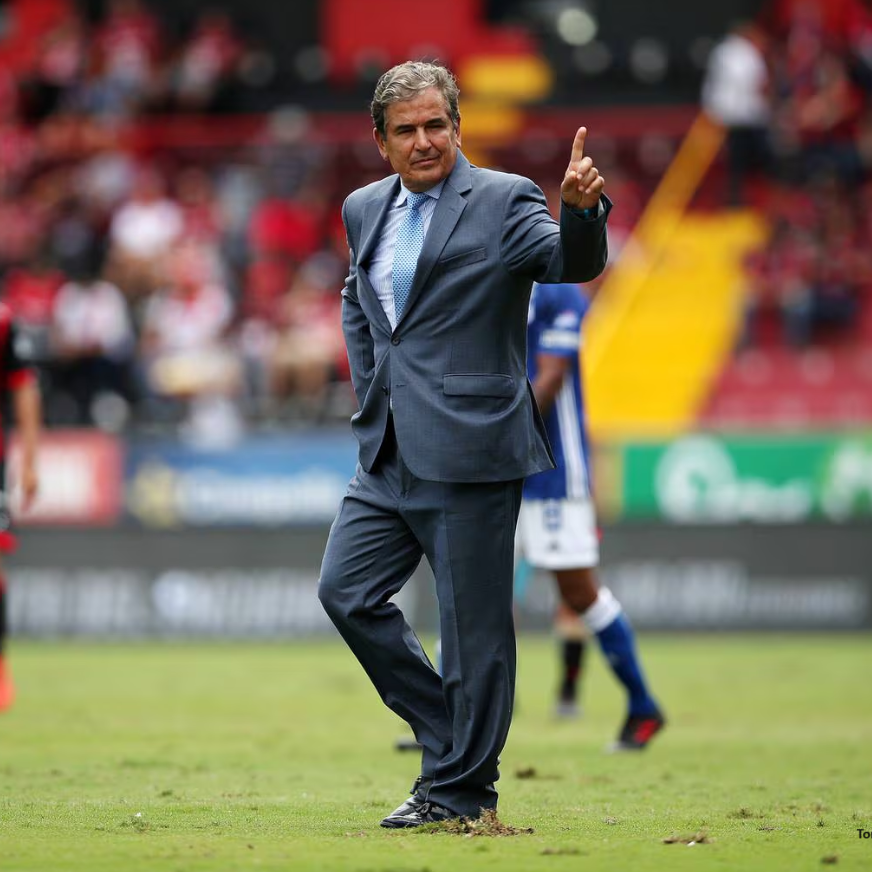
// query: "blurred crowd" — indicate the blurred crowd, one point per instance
point(154, 287)
point(129, 62)
point(196, 285)
point(794, 91)
point(193, 284)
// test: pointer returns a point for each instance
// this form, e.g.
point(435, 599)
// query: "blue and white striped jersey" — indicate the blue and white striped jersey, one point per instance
point(553, 327)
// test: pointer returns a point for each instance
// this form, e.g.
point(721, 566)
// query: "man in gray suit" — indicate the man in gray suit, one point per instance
point(434, 310)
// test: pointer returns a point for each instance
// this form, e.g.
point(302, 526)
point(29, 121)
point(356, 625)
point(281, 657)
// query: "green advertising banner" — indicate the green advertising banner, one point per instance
point(722, 479)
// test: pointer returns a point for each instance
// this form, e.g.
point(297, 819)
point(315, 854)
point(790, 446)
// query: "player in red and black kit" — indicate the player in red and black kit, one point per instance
point(17, 380)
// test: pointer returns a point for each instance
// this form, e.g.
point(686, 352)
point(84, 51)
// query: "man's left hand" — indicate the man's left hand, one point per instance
point(582, 184)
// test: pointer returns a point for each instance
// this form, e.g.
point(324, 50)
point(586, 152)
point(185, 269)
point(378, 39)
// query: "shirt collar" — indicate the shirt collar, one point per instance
point(434, 192)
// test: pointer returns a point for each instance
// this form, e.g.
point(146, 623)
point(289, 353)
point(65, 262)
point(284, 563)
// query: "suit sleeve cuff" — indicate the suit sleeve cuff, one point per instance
point(590, 214)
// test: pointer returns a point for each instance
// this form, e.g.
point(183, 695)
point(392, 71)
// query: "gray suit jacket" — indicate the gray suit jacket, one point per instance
point(455, 368)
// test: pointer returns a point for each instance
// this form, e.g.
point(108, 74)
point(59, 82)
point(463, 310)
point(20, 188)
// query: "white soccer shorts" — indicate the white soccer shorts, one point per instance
point(558, 534)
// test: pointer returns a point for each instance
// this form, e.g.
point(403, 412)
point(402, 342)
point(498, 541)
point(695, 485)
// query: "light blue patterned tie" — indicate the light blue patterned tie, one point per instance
point(410, 239)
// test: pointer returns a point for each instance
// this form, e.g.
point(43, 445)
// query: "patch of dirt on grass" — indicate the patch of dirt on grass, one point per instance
point(487, 825)
point(554, 852)
point(742, 814)
point(532, 772)
point(700, 838)
point(830, 860)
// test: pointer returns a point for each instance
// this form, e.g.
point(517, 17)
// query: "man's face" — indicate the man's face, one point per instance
point(420, 140)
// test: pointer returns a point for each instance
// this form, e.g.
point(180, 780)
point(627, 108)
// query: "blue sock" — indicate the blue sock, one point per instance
point(619, 647)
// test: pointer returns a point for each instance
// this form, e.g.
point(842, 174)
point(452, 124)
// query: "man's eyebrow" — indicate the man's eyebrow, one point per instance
point(407, 125)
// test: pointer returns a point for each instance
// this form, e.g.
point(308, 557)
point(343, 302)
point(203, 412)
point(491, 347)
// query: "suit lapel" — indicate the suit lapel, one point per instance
point(370, 302)
point(448, 210)
point(373, 220)
point(374, 214)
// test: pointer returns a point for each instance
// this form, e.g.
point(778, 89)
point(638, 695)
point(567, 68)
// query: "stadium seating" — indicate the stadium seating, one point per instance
point(781, 388)
point(359, 36)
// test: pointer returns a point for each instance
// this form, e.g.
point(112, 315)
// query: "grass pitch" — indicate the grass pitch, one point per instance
point(230, 757)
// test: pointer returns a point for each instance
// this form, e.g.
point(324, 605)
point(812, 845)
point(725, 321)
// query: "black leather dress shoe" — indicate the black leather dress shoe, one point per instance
point(422, 813)
point(411, 804)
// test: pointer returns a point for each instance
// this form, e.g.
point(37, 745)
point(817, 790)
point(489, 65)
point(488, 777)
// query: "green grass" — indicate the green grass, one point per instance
point(224, 757)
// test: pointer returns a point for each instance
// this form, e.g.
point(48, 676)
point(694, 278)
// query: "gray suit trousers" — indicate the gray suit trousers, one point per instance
point(389, 519)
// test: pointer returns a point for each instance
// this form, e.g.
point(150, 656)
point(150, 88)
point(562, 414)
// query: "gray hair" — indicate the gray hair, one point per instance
point(406, 81)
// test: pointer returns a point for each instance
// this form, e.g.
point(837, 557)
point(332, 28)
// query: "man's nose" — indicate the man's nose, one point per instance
point(422, 139)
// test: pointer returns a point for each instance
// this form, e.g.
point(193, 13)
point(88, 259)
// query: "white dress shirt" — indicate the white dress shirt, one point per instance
point(381, 267)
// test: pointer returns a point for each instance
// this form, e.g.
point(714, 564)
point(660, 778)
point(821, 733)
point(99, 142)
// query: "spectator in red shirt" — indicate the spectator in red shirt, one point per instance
point(30, 292)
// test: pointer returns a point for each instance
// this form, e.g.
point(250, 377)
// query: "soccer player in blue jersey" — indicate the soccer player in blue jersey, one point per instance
point(557, 527)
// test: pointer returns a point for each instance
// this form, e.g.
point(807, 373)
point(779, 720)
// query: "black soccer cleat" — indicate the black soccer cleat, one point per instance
point(638, 731)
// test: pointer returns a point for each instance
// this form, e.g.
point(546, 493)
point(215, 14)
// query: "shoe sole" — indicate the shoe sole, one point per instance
point(397, 824)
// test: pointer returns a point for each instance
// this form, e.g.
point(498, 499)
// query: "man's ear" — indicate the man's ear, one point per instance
point(457, 130)
point(380, 142)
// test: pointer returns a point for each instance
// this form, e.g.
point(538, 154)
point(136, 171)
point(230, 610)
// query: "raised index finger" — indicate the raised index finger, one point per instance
point(578, 146)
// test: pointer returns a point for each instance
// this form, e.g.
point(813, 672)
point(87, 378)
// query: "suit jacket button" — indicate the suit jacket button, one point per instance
point(396, 340)
point(385, 390)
